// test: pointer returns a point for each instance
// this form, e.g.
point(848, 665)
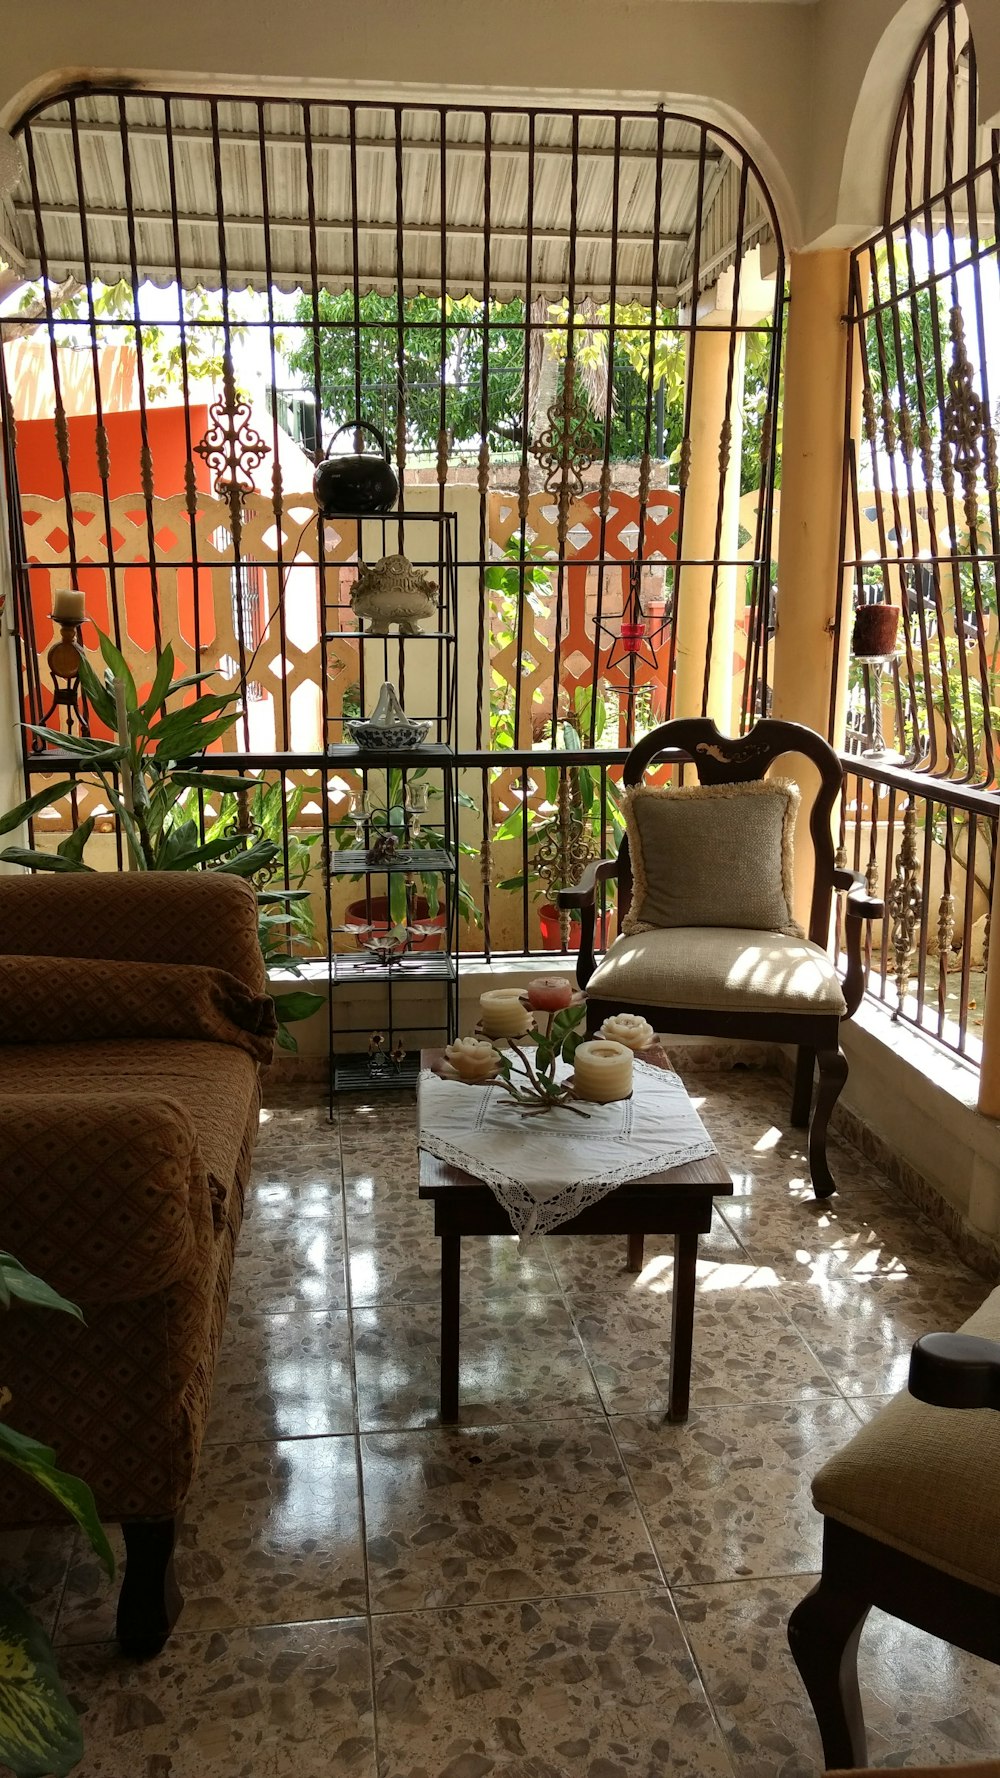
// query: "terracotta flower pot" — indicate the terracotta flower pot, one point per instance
point(376, 914)
point(548, 921)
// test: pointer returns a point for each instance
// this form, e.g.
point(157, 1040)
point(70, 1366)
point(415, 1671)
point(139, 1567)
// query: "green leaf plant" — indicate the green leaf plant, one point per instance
point(389, 800)
point(158, 798)
point(39, 1731)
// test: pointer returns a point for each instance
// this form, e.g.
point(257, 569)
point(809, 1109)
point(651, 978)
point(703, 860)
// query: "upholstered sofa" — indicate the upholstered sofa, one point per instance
point(125, 1148)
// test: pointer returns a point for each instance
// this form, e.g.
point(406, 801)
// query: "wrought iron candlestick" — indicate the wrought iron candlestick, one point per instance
point(64, 659)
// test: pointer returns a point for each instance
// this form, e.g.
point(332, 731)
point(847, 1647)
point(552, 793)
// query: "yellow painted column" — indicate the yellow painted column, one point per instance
point(812, 453)
point(709, 411)
point(810, 579)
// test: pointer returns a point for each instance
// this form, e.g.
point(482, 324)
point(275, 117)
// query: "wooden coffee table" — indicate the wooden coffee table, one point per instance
point(678, 1202)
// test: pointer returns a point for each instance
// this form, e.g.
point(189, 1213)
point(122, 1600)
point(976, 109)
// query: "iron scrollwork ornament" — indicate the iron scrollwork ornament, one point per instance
point(231, 448)
point(966, 425)
point(565, 450)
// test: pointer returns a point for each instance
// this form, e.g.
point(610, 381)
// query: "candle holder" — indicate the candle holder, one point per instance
point(528, 1074)
point(878, 750)
point(64, 659)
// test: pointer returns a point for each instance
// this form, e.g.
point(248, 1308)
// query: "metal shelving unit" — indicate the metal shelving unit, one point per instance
point(428, 842)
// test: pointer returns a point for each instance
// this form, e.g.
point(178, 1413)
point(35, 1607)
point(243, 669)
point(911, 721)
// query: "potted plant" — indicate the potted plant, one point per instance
point(155, 797)
point(39, 1729)
point(563, 841)
point(403, 905)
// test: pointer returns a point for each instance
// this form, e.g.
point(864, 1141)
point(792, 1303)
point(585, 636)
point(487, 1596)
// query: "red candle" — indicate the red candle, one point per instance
point(632, 636)
point(549, 993)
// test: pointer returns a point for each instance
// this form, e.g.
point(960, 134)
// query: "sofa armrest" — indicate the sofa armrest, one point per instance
point(106, 1196)
point(140, 917)
point(956, 1370)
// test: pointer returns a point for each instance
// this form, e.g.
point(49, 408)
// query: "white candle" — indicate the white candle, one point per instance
point(628, 1028)
point(473, 1059)
point(501, 1013)
point(67, 604)
point(602, 1071)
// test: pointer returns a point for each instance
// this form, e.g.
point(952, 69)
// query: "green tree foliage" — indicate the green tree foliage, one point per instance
point(907, 336)
point(452, 334)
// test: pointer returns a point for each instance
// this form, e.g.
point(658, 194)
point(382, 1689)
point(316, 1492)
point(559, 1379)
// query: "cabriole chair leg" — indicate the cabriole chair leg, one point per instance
point(805, 1069)
point(832, 1075)
point(823, 1635)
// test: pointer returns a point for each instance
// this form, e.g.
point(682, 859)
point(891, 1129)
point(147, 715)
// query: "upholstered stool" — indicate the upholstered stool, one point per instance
point(911, 1511)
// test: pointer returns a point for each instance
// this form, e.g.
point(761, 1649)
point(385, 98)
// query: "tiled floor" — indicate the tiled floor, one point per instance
point(565, 1585)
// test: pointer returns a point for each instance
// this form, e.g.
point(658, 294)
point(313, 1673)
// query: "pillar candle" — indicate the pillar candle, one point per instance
point(67, 604)
point(501, 1013)
point(602, 1071)
point(549, 993)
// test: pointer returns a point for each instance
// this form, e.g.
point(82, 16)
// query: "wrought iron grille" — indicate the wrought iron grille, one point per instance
point(921, 521)
point(520, 299)
point(921, 532)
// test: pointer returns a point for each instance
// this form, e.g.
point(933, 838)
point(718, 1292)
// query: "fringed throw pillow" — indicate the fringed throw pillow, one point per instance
point(712, 855)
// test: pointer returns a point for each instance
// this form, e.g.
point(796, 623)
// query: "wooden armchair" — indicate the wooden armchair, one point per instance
point(714, 981)
point(910, 1514)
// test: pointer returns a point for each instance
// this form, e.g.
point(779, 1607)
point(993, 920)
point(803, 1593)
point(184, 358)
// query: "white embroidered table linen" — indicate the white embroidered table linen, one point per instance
point(545, 1169)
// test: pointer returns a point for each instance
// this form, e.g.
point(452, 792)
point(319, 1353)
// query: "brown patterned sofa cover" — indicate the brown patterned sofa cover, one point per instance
point(123, 1164)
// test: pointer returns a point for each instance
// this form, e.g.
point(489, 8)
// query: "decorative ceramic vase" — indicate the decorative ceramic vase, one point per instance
point(392, 591)
point(388, 729)
point(361, 483)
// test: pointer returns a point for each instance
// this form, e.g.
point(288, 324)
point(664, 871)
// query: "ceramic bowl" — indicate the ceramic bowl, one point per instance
point(396, 737)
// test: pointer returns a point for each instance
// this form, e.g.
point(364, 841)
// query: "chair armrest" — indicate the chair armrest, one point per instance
point(956, 1370)
point(583, 894)
point(860, 905)
point(106, 1195)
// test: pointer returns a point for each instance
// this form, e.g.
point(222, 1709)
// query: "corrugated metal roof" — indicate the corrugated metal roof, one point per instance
point(215, 157)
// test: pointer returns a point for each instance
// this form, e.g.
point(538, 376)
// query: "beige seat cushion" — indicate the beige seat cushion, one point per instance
point(719, 968)
point(926, 1480)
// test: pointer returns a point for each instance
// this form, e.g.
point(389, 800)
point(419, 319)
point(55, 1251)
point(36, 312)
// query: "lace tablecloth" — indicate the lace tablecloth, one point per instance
point(544, 1170)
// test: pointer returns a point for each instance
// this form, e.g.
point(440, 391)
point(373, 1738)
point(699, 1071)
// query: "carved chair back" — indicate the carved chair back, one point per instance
point(727, 759)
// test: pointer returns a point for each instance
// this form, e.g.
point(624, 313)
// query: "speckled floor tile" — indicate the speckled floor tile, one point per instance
point(271, 1534)
point(283, 1197)
point(519, 1361)
point(727, 1495)
point(521, 1628)
point(863, 1235)
point(862, 1331)
point(745, 1349)
point(574, 1688)
point(500, 1513)
point(281, 1267)
point(34, 1564)
point(925, 1703)
point(394, 1254)
point(596, 1263)
point(282, 1376)
point(290, 1702)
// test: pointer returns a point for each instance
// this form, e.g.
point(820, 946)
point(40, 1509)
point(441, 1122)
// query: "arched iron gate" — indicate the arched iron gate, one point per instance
point(213, 284)
point(921, 532)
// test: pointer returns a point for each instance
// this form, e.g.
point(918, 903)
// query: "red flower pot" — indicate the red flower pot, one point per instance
point(548, 921)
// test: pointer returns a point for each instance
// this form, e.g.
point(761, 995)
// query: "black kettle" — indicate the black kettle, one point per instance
point(358, 484)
